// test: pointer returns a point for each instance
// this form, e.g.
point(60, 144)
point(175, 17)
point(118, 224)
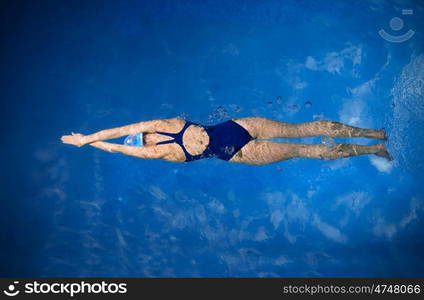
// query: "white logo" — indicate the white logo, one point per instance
point(11, 289)
point(396, 24)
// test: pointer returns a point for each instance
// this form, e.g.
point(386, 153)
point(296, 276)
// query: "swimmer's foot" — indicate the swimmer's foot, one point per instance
point(384, 136)
point(374, 134)
point(379, 134)
point(382, 152)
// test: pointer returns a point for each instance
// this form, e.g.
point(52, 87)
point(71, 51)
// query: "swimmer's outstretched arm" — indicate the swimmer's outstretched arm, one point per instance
point(146, 152)
point(148, 126)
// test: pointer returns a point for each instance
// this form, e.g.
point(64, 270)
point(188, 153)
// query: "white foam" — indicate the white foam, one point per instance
point(406, 126)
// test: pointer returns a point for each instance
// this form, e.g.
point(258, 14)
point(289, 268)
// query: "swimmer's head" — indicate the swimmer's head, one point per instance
point(134, 140)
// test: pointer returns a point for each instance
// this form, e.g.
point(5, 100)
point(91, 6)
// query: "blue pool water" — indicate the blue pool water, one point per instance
point(83, 66)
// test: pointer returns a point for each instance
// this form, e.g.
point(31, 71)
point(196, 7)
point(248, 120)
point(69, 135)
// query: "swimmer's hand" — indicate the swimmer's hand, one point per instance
point(76, 139)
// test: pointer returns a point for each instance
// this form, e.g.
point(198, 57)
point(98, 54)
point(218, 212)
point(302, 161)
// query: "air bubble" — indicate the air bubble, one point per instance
point(293, 107)
point(328, 142)
point(219, 114)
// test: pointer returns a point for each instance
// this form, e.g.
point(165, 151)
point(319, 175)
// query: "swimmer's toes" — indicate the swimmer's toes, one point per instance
point(385, 136)
point(382, 135)
point(385, 154)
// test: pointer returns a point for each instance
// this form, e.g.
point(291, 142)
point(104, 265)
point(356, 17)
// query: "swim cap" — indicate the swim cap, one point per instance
point(134, 140)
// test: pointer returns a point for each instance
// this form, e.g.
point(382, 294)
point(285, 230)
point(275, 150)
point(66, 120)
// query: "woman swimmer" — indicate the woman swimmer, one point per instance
point(236, 140)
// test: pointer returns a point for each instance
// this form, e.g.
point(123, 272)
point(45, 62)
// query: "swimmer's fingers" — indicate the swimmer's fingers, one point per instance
point(75, 139)
point(67, 139)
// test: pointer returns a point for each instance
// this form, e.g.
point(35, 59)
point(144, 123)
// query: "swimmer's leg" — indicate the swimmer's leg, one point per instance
point(263, 128)
point(266, 152)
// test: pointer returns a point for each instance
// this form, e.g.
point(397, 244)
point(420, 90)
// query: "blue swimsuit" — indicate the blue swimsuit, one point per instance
point(225, 140)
